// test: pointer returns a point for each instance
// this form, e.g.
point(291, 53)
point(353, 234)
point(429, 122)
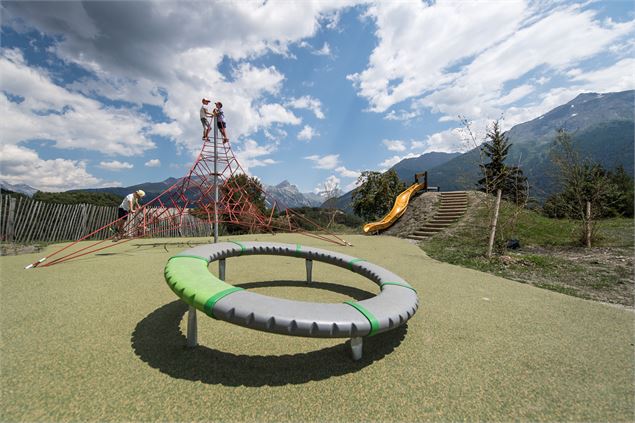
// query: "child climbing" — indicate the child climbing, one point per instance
point(220, 117)
point(204, 114)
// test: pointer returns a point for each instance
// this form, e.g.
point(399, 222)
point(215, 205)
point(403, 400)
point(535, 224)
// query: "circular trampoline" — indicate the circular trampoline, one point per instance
point(188, 276)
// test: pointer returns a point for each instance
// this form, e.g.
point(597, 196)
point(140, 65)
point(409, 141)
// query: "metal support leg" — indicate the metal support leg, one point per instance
point(221, 269)
point(309, 271)
point(356, 348)
point(191, 328)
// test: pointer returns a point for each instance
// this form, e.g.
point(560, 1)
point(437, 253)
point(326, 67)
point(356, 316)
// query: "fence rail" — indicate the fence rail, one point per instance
point(23, 220)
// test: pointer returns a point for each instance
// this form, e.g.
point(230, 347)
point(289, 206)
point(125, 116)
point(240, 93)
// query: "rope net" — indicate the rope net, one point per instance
point(189, 208)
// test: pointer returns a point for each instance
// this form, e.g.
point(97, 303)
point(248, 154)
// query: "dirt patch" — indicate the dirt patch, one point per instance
point(17, 249)
point(601, 273)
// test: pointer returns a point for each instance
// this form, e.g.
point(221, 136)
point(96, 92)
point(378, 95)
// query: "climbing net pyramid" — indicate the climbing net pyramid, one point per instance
point(208, 196)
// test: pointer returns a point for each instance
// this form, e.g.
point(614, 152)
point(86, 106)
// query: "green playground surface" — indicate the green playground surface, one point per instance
point(102, 338)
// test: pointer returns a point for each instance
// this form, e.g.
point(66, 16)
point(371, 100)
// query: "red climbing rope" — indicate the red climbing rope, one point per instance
point(190, 203)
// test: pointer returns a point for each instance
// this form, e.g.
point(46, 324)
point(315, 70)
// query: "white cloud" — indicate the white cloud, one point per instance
point(477, 69)
point(324, 51)
point(19, 165)
point(347, 173)
point(447, 141)
point(416, 46)
point(251, 154)
point(394, 145)
point(618, 77)
point(70, 120)
point(145, 64)
point(391, 161)
point(328, 185)
point(515, 94)
point(276, 113)
point(330, 161)
point(170, 130)
point(307, 102)
point(275, 134)
point(153, 163)
point(307, 133)
point(115, 165)
point(401, 115)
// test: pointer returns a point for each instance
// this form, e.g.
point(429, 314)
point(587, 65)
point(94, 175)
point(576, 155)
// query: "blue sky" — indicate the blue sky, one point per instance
point(99, 94)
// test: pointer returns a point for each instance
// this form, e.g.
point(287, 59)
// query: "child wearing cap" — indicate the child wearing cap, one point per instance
point(204, 114)
point(130, 204)
point(220, 118)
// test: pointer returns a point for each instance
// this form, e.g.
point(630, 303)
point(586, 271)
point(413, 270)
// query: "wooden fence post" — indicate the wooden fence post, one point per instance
point(10, 219)
point(33, 222)
point(492, 233)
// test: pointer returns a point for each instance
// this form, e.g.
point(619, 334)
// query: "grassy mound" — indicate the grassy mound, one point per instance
point(101, 338)
point(549, 257)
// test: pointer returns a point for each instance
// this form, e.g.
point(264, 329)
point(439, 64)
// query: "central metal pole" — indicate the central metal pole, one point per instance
point(215, 179)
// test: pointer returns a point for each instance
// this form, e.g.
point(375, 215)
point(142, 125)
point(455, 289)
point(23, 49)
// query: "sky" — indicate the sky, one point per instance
point(101, 94)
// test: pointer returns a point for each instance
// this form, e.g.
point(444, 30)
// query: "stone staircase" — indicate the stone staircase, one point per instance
point(452, 207)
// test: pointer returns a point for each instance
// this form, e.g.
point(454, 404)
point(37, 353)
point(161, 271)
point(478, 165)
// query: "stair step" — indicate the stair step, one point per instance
point(425, 233)
point(436, 225)
point(426, 228)
point(445, 221)
point(447, 215)
point(454, 203)
point(461, 209)
point(418, 237)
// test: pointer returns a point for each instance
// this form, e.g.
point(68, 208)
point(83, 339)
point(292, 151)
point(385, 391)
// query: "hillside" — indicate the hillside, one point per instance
point(601, 125)
point(602, 130)
point(407, 168)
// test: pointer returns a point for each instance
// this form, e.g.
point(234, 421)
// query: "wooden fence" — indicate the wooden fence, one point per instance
point(23, 220)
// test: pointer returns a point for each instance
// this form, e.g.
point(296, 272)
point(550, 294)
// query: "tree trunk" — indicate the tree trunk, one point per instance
point(589, 225)
point(492, 232)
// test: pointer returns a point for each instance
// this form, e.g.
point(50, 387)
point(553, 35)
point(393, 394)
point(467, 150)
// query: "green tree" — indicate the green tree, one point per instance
point(623, 204)
point(79, 197)
point(235, 191)
point(498, 175)
point(236, 186)
point(12, 193)
point(376, 194)
point(588, 190)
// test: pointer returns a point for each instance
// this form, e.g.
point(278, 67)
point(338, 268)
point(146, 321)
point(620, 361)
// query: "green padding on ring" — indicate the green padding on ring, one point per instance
point(374, 323)
point(398, 284)
point(191, 280)
point(298, 248)
point(195, 257)
point(211, 302)
point(350, 263)
point(242, 247)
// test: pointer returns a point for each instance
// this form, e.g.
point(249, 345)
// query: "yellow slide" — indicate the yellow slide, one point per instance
point(401, 202)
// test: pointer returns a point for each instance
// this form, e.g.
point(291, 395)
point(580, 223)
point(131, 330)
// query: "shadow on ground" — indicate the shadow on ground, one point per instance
point(158, 341)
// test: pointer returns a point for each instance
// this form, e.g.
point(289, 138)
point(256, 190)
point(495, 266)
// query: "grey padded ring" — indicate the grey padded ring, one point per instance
point(393, 306)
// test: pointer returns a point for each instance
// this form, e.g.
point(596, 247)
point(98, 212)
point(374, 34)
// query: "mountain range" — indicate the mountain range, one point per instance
point(21, 188)
point(601, 125)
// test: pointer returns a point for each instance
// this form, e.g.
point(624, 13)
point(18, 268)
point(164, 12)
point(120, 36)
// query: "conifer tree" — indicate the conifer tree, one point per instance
point(496, 174)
